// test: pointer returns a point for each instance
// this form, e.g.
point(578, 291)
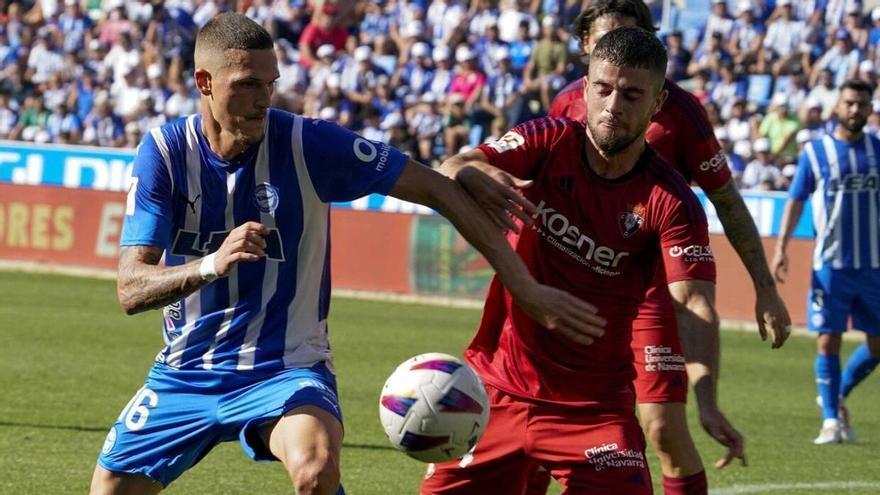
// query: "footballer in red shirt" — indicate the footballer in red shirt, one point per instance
point(606, 213)
point(680, 133)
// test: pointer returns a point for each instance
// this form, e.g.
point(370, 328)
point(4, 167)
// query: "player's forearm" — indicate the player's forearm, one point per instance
point(698, 332)
point(790, 217)
point(455, 164)
point(143, 285)
point(741, 232)
point(454, 203)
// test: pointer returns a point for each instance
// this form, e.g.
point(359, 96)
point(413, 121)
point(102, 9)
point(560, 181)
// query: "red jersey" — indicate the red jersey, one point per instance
point(680, 133)
point(598, 239)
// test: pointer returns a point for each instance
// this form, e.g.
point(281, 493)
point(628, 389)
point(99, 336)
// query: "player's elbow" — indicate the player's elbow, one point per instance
point(125, 296)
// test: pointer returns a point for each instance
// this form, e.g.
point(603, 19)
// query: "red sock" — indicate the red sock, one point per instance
point(694, 484)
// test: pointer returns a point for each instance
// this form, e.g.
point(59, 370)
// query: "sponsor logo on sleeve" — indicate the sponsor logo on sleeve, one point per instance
point(367, 152)
point(694, 253)
point(509, 141)
point(715, 163)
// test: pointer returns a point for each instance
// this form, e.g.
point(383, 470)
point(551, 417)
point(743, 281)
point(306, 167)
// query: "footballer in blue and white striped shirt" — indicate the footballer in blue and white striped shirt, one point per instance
point(840, 172)
point(227, 230)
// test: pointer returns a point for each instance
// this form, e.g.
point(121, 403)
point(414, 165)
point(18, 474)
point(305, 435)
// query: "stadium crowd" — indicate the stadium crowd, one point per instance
point(431, 77)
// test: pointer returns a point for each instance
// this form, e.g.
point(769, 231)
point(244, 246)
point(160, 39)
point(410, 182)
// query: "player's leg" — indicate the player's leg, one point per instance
point(166, 428)
point(292, 416)
point(497, 464)
point(105, 482)
point(661, 391)
point(829, 307)
point(308, 441)
point(861, 363)
point(589, 451)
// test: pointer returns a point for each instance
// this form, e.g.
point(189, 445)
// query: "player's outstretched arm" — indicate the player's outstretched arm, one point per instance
point(492, 188)
point(552, 308)
point(143, 284)
point(770, 310)
point(793, 210)
point(694, 302)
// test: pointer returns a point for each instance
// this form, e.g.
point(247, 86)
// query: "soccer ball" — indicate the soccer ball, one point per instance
point(434, 408)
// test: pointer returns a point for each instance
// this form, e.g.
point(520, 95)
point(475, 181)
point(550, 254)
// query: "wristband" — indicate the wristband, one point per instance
point(207, 269)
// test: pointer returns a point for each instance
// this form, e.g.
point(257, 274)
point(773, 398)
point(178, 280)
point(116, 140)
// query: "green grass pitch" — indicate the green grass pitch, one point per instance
point(70, 360)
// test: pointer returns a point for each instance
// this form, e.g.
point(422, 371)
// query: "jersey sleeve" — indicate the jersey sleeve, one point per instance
point(148, 210)
point(804, 182)
point(344, 166)
point(524, 147)
point(684, 238)
point(700, 152)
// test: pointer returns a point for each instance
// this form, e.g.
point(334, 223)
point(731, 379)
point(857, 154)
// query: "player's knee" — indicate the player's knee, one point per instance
point(664, 432)
point(314, 473)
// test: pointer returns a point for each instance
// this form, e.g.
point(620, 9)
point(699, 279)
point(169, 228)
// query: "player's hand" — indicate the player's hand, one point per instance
point(245, 243)
point(495, 191)
point(720, 429)
point(563, 314)
point(779, 266)
point(770, 312)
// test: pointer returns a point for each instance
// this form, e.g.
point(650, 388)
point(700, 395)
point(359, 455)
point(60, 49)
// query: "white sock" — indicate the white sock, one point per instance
point(831, 423)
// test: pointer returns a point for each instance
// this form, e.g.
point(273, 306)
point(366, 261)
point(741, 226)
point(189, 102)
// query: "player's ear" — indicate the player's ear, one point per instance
point(203, 81)
point(661, 99)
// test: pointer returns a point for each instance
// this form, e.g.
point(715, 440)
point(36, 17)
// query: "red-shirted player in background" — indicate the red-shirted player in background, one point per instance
point(609, 212)
point(681, 134)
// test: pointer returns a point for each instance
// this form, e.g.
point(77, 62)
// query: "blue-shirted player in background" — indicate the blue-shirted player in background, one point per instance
point(227, 229)
point(840, 170)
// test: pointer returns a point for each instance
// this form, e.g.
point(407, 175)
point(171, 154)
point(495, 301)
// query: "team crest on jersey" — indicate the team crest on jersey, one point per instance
point(631, 221)
point(267, 198)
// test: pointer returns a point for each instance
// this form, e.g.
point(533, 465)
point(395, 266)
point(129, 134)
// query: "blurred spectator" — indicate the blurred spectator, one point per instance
point(75, 27)
point(502, 94)
point(181, 102)
point(678, 57)
point(812, 121)
point(456, 125)
point(426, 125)
point(782, 43)
point(757, 172)
point(780, 127)
point(825, 92)
point(63, 126)
point(31, 120)
point(728, 90)
point(323, 29)
point(101, 127)
point(719, 22)
point(484, 16)
point(446, 21)
point(44, 59)
point(414, 77)
point(874, 34)
point(746, 36)
point(842, 59)
point(739, 127)
point(710, 57)
point(521, 48)
point(468, 80)
point(8, 116)
point(736, 163)
point(513, 19)
point(795, 90)
point(443, 72)
point(544, 73)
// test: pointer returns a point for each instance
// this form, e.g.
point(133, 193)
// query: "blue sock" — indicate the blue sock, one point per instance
point(859, 366)
point(828, 383)
point(341, 491)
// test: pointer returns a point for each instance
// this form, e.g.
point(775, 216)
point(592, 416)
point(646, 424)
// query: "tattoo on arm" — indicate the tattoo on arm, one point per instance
point(742, 233)
point(143, 284)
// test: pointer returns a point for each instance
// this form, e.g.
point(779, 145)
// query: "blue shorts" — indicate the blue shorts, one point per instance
point(835, 295)
point(180, 415)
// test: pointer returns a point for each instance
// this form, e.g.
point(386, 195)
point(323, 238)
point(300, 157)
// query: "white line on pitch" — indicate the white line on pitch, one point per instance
point(743, 489)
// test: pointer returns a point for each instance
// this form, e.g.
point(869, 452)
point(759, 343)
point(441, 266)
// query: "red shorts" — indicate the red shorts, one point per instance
point(660, 366)
point(587, 451)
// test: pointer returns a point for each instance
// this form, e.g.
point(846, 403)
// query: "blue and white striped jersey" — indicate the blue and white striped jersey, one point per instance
point(843, 179)
point(270, 314)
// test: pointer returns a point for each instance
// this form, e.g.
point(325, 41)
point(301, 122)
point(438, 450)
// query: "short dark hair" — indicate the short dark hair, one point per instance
point(233, 31)
point(618, 8)
point(632, 47)
point(858, 85)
